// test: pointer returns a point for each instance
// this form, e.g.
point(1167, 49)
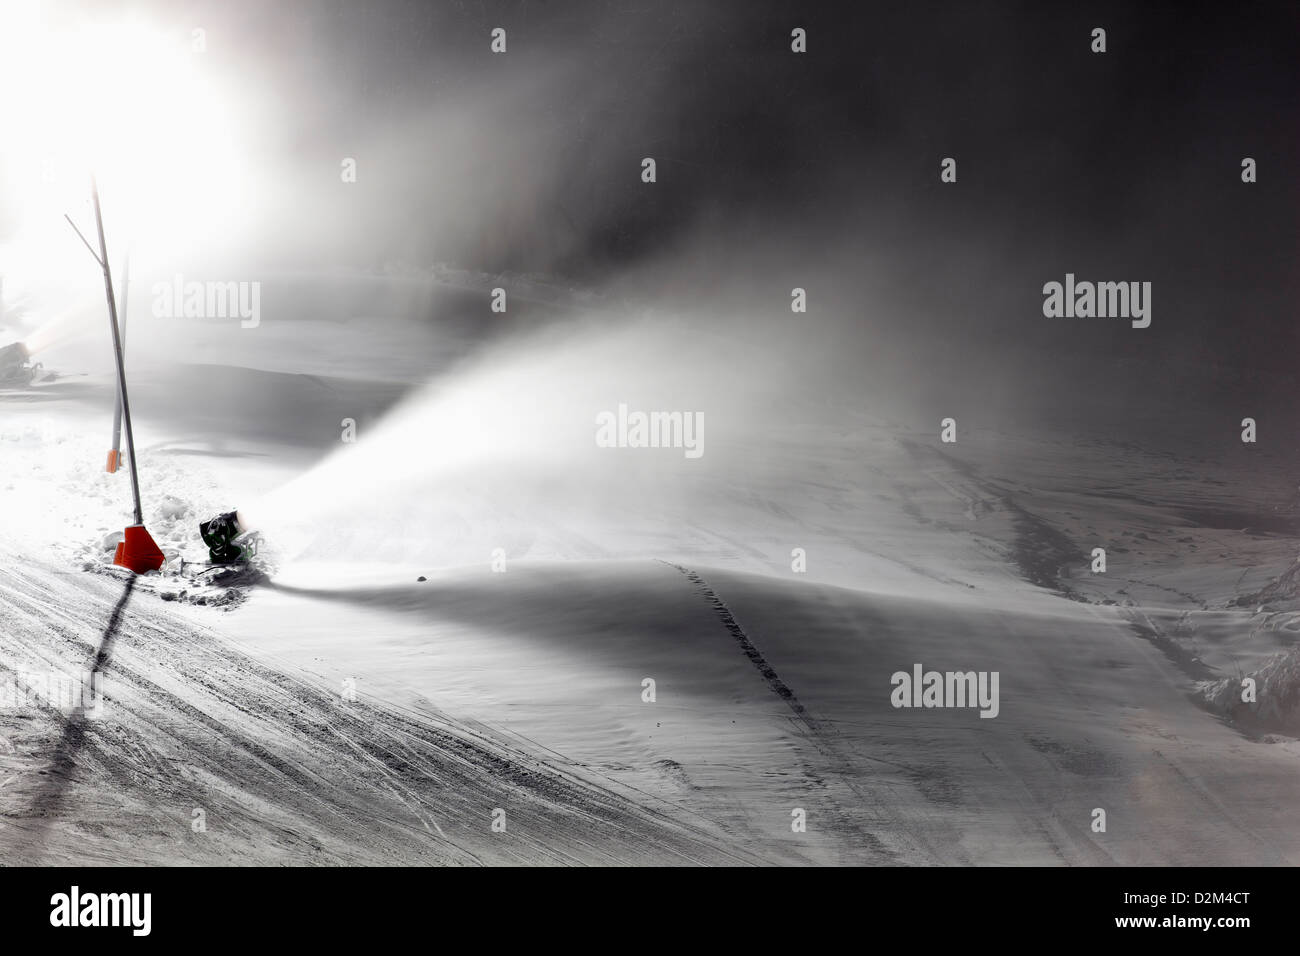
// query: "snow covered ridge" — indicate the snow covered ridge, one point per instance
point(1267, 700)
point(528, 287)
point(540, 288)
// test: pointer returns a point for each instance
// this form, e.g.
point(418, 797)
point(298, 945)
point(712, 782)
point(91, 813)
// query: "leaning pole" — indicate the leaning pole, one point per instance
point(115, 450)
point(138, 551)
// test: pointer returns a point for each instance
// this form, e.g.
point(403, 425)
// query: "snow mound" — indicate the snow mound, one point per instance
point(1282, 590)
point(76, 511)
point(171, 507)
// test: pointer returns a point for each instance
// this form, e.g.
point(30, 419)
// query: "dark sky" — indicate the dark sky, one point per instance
point(1116, 166)
point(819, 170)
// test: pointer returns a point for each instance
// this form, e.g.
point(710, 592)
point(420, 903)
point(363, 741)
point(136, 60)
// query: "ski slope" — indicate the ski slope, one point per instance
point(348, 712)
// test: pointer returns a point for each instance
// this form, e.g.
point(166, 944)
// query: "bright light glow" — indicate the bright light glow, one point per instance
point(128, 101)
point(52, 332)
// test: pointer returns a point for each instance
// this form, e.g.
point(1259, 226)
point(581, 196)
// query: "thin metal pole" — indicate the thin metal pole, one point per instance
point(94, 255)
point(117, 397)
point(117, 348)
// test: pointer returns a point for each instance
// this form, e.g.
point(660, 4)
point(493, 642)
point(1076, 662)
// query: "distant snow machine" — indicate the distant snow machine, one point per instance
point(16, 366)
point(227, 539)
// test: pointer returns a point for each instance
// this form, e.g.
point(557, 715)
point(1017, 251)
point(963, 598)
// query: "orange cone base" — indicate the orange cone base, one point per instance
point(114, 461)
point(138, 552)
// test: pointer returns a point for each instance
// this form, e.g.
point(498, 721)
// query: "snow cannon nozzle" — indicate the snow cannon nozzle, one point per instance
point(15, 364)
point(219, 535)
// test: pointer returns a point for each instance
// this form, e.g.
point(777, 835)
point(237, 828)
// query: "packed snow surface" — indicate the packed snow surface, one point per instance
point(475, 637)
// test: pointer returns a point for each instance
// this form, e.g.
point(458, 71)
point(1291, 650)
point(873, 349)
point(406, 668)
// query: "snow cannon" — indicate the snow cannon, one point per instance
point(219, 535)
point(15, 365)
point(138, 551)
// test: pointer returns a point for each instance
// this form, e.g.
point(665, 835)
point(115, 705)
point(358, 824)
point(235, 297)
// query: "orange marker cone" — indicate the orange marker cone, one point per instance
point(139, 552)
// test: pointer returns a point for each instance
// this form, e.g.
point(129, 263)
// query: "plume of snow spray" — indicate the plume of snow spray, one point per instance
point(509, 441)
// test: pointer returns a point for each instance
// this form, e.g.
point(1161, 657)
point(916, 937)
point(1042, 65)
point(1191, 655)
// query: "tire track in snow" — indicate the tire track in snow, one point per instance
point(285, 771)
point(907, 846)
point(778, 686)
